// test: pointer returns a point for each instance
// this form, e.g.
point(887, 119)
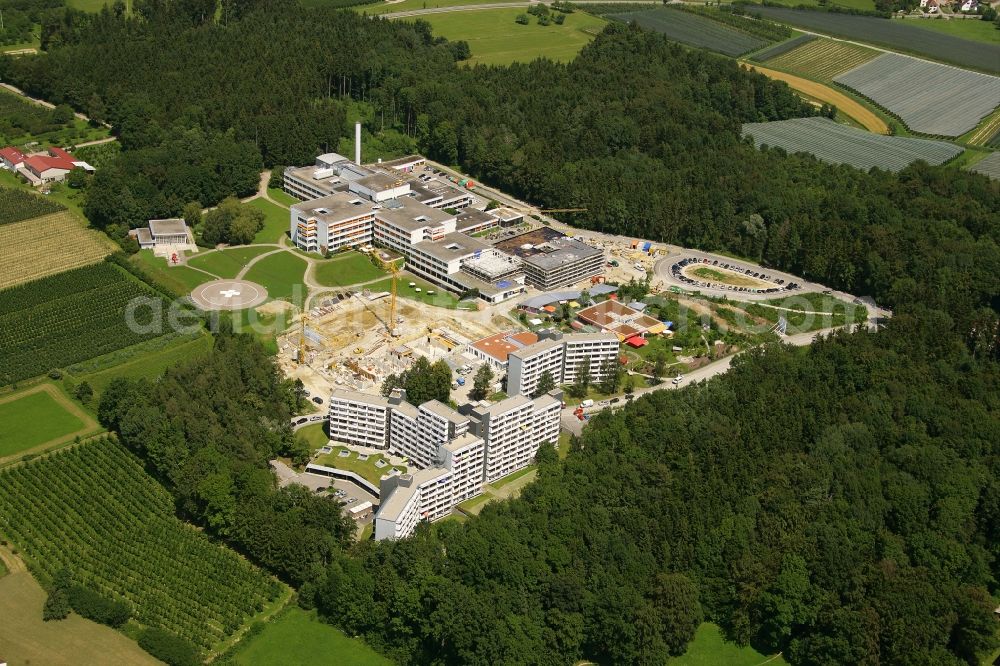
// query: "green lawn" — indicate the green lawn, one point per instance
point(315, 434)
point(710, 648)
point(281, 274)
point(227, 263)
point(440, 298)
point(32, 419)
point(510, 478)
point(276, 220)
point(298, 638)
point(978, 31)
point(851, 4)
point(564, 442)
point(175, 279)
point(281, 196)
point(363, 468)
point(495, 39)
point(149, 365)
point(88, 5)
point(347, 268)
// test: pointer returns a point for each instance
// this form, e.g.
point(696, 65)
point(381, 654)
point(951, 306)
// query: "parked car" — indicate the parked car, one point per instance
point(304, 419)
point(318, 400)
point(587, 403)
point(677, 380)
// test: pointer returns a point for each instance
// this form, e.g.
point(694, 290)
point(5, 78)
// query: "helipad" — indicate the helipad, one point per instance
point(228, 295)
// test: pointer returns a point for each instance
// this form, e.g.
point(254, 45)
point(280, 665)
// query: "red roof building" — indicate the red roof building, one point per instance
point(11, 157)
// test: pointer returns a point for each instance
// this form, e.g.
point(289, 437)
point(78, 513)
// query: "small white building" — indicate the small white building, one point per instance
point(162, 234)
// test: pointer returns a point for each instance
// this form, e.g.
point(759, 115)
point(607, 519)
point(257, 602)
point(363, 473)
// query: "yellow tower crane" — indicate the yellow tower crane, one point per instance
point(390, 266)
point(303, 320)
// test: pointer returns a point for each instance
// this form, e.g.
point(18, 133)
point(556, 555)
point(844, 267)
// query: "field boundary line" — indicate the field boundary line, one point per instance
point(91, 426)
point(866, 117)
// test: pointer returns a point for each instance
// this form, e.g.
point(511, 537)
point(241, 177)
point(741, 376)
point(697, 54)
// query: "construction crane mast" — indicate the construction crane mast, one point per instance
point(390, 266)
point(303, 320)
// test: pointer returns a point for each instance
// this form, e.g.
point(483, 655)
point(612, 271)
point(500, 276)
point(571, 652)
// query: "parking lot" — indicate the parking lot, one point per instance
point(345, 492)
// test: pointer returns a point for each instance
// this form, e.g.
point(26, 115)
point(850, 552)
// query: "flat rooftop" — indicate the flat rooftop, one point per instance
point(168, 227)
point(323, 179)
point(473, 217)
point(444, 411)
point(535, 348)
point(500, 346)
point(356, 396)
point(452, 246)
point(379, 182)
point(411, 215)
point(494, 264)
point(338, 206)
point(547, 249)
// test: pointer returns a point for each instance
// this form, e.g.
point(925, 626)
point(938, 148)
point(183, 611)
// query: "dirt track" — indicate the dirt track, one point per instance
point(823, 93)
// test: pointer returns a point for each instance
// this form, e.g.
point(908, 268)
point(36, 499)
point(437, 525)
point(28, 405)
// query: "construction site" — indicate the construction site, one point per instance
point(355, 340)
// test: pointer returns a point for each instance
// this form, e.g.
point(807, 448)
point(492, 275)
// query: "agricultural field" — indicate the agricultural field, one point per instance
point(780, 48)
point(17, 205)
point(404, 6)
point(495, 38)
point(823, 93)
point(281, 274)
point(823, 59)
point(41, 415)
point(147, 360)
point(929, 98)
point(840, 144)
point(345, 269)
point(987, 133)
point(988, 166)
point(70, 317)
point(27, 639)
point(276, 220)
point(23, 122)
point(695, 30)
point(298, 638)
point(895, 34)
point(975, 30)
point(92, 509)
point(46, 245)
point(227, 263)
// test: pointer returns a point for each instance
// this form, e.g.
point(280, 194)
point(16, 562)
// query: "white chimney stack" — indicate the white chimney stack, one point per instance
point(357, 142)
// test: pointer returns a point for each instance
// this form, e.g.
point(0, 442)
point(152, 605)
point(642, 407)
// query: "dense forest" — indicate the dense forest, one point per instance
point(839, 503)
point(207, 430)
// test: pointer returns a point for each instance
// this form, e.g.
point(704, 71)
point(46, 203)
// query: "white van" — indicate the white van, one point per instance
point(587, 403)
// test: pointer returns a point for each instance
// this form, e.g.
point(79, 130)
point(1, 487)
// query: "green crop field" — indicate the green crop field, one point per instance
point(35, 417)
point(406, 5)
point(298, 638)
point(495, 39)
point(73, 316)
point(92, 509)
point(823, 59)
point(710, 648)
point(281, 274)
point(47, 245)
point(345, 269)
point(27, 639)
point(148, 364)
point(22, 122)
point(975, 30)
point(227, 263)
point(276, 220)
point(695, 30)
point(178, 280)
point(17, 205)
